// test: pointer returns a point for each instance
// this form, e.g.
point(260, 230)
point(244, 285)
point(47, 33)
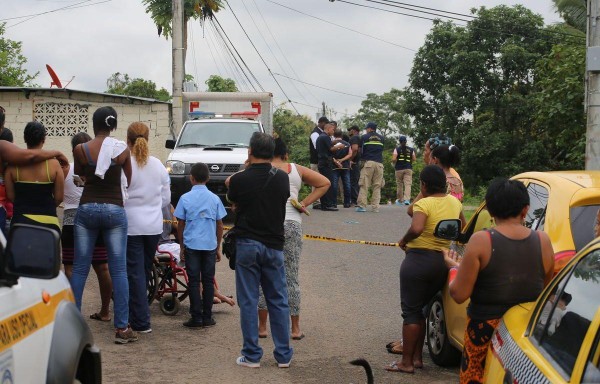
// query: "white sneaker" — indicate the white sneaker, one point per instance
point(245, 363)
point(284, 365)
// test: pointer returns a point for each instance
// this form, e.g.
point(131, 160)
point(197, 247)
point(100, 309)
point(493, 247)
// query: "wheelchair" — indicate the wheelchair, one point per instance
point(167, 283)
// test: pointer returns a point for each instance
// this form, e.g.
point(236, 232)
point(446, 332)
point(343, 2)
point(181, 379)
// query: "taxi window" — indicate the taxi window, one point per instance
point(592, 372)
point(538, 199)
point(582, 224)
point(568, 313)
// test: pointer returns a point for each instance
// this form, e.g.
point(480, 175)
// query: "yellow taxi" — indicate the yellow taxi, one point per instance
point(43, 337)
point(562, 204)
point(557, 338)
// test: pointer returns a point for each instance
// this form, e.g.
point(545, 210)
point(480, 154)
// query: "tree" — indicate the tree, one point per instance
point(482, 84)
point(121, 84)
point(12, 73)
point(217, 83)
point(161, 12)
point(574, 12)
point(386, 110)
point(295, 131)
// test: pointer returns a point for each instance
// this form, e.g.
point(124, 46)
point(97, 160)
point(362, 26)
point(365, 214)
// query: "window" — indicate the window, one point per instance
point(538, 199)
point(62, 119)
point(582, 224)
point(567, 314)
point(592, 373)
point(207, 134)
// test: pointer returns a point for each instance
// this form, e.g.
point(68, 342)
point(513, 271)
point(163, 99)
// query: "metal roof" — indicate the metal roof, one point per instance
point(70, 91)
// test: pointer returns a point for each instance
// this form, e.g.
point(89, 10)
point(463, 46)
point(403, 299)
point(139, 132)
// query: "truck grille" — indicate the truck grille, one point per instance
point(223, 168)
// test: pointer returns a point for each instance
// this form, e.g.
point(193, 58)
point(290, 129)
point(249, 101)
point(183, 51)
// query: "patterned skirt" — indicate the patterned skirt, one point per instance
point(478, 336)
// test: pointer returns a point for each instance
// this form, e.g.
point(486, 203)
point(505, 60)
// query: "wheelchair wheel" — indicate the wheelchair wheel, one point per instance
point(169, 305)
point(152, 284)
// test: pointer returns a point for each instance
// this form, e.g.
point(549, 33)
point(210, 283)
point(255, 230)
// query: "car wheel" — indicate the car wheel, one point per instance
point(441, 351)
point(169, 305)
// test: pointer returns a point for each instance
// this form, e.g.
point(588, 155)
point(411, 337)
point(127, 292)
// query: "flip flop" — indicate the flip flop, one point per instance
point(96, 316)
point(396, 349)
point(392, 343)
point(262, 336)
point(394, 367)
point(298, 337)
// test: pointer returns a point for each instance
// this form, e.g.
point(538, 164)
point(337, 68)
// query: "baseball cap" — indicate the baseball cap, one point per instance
point(371, 125)
point(403, 139)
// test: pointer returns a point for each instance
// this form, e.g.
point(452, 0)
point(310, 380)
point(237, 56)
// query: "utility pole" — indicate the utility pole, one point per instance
point(324, 110)
point(592, 138)
point(178, 68)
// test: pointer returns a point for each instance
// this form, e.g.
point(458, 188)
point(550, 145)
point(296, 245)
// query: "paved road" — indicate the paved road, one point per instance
point(350, 309)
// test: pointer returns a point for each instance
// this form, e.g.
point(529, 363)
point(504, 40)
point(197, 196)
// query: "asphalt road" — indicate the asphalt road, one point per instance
point(350, 309)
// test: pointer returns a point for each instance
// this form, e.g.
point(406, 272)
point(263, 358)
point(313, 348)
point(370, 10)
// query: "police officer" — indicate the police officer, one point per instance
point(312, 146)
point(371, 174)
point(402, 159)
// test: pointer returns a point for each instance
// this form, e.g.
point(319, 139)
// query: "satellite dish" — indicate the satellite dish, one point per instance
point(54, 77)
point(55, 80)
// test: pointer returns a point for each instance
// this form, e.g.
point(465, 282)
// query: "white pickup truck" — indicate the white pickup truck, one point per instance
point(217, 133)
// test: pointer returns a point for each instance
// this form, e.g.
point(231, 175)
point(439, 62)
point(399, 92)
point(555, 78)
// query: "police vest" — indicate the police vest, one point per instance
point(314, 157)
point(404, 159)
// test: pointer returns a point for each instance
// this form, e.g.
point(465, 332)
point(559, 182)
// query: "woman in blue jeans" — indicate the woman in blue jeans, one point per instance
point(100, 163)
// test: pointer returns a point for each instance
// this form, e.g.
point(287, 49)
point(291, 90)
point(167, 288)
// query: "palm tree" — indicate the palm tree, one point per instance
point(161, 12)
point(574, 12)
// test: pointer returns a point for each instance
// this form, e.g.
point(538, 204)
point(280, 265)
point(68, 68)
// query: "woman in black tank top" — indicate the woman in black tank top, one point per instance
point(504, 266)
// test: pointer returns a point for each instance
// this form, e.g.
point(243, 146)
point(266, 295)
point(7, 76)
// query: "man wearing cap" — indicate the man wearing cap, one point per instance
point(325, 150)
point(402, 159)
point(371, 175)
point(312, 146)
point(355, 144)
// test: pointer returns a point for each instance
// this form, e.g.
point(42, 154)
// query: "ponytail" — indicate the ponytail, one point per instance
point(137, 137)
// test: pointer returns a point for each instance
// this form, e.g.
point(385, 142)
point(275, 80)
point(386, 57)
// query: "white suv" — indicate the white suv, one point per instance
point(43, 337)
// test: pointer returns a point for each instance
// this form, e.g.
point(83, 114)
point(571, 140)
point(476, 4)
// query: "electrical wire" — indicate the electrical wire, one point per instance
point(216, 23)
point(46, 12)
point(220, 48)
point(281, 51)
point(318, 86)
point(341, 26)
point(243, 77)
point(270, 50)
point(259, 55)
point(66, 8)
point(217, 66)
point(191, 31)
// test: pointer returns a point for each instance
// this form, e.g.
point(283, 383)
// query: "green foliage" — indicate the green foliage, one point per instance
point(217, 83)
point(121, 84)
point(386, 110)
point(573, 12)
point(161, 12)
point(295, 131)
point(12, 73)
point(499, 89)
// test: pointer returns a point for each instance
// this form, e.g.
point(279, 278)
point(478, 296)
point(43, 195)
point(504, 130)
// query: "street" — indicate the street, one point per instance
point(350, 309)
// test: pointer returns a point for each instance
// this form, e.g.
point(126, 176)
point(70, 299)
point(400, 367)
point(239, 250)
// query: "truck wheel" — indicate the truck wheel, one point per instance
point(441, 351)
point(169, 305)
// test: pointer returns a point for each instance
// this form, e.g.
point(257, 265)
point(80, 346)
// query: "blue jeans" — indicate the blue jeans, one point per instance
point(92, 218)
point(200, 266)
point(345, 175)
point(258, 265)
point(140, 253)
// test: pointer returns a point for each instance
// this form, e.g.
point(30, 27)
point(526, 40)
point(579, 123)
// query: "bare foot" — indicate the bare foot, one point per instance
point(229, 300)
point(216, 300)
point(418, 364)
point(397, 366)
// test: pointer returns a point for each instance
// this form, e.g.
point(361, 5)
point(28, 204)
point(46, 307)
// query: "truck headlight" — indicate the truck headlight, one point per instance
point(175, 167)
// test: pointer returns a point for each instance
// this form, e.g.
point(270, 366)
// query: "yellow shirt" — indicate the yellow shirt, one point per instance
point(436, 209)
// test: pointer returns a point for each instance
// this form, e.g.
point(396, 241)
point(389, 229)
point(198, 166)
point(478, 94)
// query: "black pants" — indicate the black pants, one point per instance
point(354, 176)
point(329, 199)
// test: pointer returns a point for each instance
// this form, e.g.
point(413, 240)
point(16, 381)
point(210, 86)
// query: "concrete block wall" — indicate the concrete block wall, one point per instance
point(20, 110)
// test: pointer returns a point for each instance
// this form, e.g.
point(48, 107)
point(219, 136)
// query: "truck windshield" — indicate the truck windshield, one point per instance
point(217, 133)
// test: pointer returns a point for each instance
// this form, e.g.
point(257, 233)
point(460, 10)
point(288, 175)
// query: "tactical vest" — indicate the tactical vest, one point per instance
point(404, 160)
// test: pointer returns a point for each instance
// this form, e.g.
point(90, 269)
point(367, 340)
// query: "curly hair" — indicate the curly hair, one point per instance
point(34, 134)
point(137, 137)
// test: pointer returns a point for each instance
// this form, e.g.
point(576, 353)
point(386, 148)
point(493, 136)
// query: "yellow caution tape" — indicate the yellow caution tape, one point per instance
point(325, 238)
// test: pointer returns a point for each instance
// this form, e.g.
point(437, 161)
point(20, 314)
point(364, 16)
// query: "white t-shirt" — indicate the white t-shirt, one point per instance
point(149, 191)
point(292, 213)
point(72, 192)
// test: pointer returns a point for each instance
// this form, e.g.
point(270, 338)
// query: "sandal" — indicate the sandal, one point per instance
point(392, 343)
point(96, 316)
point(396, 349)
point(395, 367)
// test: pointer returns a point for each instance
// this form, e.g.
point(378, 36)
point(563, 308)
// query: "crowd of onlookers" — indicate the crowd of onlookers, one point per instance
point(115, 196)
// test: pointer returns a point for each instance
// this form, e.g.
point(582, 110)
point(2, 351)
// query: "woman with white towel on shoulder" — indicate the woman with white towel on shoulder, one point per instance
point(100, 163)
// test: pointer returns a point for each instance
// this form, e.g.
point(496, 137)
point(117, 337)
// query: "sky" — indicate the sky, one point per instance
point(318, 42)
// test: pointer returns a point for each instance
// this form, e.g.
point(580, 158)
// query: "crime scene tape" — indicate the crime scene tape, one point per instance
point(325, 238)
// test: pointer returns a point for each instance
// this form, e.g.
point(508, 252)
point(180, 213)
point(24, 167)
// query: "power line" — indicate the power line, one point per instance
point(318, 86)
point(414, 10)
point(281, 51)
point(237, 66)
point(341, 26)
point(191, 30)
point(212, 55)
point(215, 20)
point(66, 8)
point(222, 51)
point(270, 50)
point(429, 9)
point(259, 55)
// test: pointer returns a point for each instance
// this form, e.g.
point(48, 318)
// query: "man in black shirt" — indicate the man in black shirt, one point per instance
point(312, 146)
point(325, 150)
point(260, 195)
point(355, 145)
